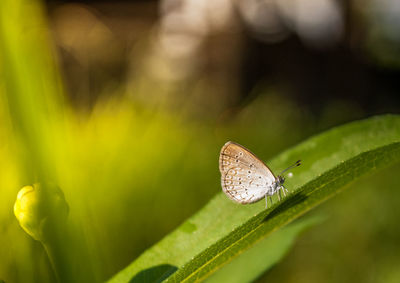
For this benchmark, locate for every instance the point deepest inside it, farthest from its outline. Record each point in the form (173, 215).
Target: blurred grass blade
(31, 81)
(263, 255)
(222, 230)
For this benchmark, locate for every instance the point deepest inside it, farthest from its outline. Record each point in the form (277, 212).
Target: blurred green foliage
(131, 173)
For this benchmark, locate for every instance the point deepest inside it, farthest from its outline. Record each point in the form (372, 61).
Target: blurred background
(126, 104)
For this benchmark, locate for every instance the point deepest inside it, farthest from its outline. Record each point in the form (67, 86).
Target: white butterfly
(245, 178)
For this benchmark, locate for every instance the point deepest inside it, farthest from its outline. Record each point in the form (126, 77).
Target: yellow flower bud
(40, 210)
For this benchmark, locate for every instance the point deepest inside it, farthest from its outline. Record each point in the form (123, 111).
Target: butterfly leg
(266, 201)
(284, 190)
(270, 199)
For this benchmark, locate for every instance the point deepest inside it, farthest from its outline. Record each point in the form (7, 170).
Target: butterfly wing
(244, 177)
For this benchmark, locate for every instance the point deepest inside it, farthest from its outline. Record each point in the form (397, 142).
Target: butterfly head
(280, 180)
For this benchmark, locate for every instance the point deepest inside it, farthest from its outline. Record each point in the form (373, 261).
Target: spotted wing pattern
(244, 177)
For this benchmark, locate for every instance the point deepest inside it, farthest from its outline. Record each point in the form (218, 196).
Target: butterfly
(245, 178)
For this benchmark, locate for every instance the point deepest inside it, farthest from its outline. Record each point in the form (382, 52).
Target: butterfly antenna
(297, 163)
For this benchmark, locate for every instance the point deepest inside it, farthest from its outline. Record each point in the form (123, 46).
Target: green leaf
(222, 229)
(263, 255)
